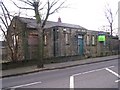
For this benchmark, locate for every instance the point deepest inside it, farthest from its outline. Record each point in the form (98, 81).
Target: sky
(86, 13)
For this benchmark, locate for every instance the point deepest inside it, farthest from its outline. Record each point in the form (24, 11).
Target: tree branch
(8, 14)
(3, 31)
(49, 7)
(27, 2)
(53, 3)
(43, 7)
(7, 41)
(4, 16)
(59, 7)
(48, 11)
(4, 22)
(22, 7)
(30, 2)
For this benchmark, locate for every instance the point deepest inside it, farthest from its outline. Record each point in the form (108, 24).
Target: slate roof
(31, 23)
(97, 32)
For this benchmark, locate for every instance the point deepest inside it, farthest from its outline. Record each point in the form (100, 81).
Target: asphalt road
(96, 75)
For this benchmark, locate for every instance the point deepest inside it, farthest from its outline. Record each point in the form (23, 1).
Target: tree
(110, 17)
(6, 18)
(50, 7)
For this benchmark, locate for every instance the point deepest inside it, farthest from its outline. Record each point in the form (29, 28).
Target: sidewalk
(32, 69)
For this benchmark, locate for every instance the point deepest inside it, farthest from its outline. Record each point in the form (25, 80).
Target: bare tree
(50, 7)
(109, 14)
(6, 18)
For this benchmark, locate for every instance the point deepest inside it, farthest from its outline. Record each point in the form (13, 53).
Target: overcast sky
(86, 13)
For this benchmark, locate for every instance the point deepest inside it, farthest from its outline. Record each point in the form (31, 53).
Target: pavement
(33, 69)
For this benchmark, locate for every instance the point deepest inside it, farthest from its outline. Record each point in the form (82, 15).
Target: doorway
(80, 45)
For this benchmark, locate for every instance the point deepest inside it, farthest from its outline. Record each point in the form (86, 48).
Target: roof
(97, 32)
(31, 23)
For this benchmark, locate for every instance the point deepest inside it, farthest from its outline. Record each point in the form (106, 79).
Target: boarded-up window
(33, 39)
(15, 39)
(88, 40)
(45, 39)
(67, 38)
(93, 40)
(67, 33)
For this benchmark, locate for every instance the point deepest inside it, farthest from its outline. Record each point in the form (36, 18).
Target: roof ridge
(31, 23)
(49, 21)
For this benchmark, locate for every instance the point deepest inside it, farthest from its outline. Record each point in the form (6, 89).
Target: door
(55, 43)
(80, 44)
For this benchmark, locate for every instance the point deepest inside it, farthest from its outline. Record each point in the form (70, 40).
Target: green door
(80, 45)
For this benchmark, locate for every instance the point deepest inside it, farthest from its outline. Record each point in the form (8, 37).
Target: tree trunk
(111, 38)
(40, 35)
(111, 29)
(40, 47)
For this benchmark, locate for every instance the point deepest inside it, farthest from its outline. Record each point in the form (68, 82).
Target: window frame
(93, 40)
(88, 40)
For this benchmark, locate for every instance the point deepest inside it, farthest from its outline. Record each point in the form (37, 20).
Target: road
(96, 75)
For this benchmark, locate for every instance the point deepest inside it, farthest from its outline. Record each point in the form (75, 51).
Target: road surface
(96, 75)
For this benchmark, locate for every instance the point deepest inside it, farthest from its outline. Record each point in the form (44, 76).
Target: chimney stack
(59, 20)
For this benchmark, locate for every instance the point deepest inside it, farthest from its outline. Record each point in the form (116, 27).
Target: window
(66, 38)
(88, 40)
(57, 34)
(93, 40)
(64, 29)
(15, 39)
(45, 40)
(67, 33)
(33, 39)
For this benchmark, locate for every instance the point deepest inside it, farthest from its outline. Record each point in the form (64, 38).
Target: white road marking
(113, 72)
(92, 71)
(25, 85)
(72, 77)
(117, 80)
(71, 81)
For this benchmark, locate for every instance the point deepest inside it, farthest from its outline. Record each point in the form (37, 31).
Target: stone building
(94, 47)
(60, 39)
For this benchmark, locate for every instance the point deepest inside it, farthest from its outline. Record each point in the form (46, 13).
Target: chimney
(59, 20)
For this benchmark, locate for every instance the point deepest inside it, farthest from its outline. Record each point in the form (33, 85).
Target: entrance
(80, 44)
